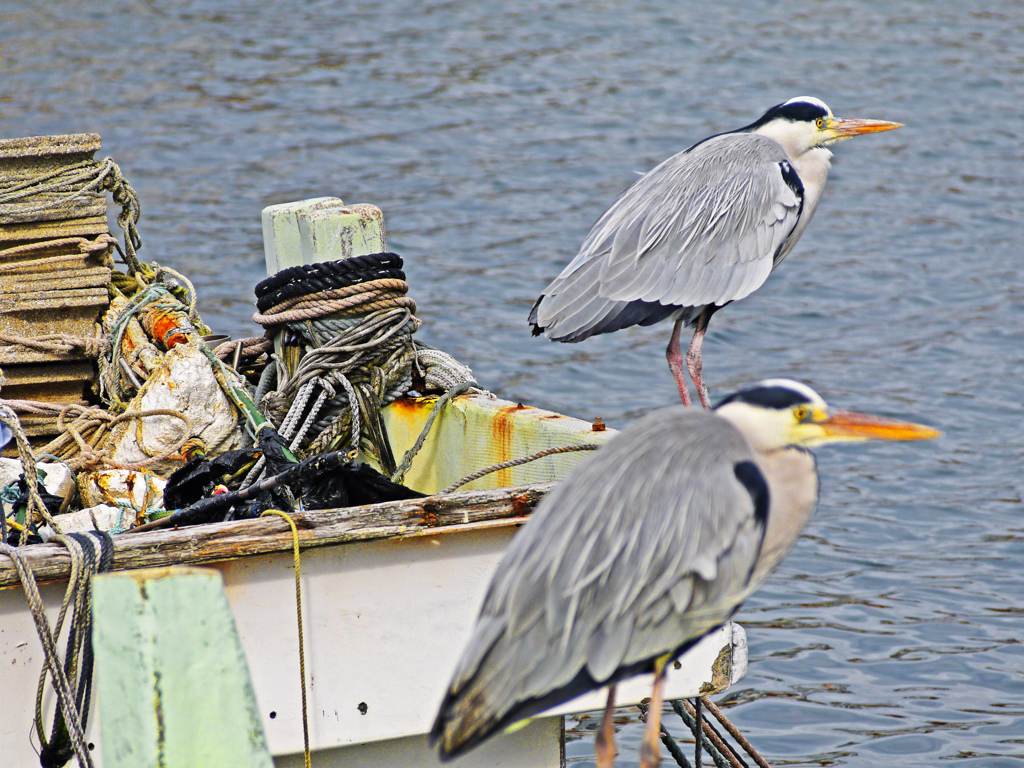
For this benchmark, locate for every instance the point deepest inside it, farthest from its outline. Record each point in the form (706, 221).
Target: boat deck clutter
(112, 379)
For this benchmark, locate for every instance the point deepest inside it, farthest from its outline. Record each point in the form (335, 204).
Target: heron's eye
(800, 413)
(820, 123)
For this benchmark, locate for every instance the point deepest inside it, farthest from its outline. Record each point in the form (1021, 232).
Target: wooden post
(320, 229)
(172, 683)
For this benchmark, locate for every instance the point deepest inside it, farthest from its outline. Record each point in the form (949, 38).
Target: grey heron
(640, 552)
(702, 229)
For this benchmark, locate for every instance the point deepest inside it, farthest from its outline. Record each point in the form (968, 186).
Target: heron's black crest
(795, 111)
(775, 396)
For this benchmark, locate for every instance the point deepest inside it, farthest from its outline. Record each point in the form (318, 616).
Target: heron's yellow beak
(846, 127)
(840, 425)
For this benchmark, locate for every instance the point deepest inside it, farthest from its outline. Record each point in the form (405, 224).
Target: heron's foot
(650, 747)
(604, 752)
(681, 384)
(702, 389)
(604, 745)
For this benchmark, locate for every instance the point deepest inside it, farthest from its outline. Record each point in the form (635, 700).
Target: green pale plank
(172, 682)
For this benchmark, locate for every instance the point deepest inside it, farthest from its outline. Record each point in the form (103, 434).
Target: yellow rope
(298, 612)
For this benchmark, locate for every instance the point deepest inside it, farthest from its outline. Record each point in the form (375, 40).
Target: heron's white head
(778, 413)
(805, 123)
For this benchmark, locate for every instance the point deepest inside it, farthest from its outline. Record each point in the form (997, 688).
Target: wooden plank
(320, 229)
(40, 230)
(245, 538)
(57, 281)
(172, 682)
(282, 242)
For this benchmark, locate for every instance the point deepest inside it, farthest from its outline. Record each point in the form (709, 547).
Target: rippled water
(493, 135)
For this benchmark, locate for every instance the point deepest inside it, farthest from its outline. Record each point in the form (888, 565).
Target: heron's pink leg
(650, 747)
(695, 362)
(674, 355)
(604, 746)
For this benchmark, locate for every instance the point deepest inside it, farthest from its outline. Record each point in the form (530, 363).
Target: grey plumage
(545, 620)
(641, 551)
(704, 228)
(648, 247)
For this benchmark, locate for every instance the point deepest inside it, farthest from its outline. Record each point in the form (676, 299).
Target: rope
(60, 680)
(89, 556)
(298, 614)
(517, 462)
(36, 510)
(734, 732)
(99, 247)
(353, 323)
(76, 444)
(325, 275)
(59, 343)
(93, 176)
(457, 389)
(252, 348)
(707, 737)
(723, 755)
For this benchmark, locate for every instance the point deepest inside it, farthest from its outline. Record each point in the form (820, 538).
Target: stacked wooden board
(55, 265)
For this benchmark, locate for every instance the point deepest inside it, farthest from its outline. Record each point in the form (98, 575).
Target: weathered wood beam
(245, 538)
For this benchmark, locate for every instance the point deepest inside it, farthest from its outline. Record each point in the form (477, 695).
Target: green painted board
(172, 682)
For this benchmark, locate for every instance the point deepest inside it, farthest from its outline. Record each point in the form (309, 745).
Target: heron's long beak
(845, 127)
(851, 425)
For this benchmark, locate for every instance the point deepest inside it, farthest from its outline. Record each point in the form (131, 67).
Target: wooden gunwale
(461, 511)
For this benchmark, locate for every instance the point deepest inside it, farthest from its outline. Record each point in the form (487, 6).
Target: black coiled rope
(307, 279)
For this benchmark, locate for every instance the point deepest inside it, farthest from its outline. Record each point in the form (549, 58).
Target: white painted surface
(384, 623)
(538, 745)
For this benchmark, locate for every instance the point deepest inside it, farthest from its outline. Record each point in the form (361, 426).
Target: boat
(389, 591)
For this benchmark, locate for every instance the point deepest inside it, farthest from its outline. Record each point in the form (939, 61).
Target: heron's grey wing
(639, 550)
(702, 228)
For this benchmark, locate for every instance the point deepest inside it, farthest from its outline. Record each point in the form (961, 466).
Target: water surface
(493, 135)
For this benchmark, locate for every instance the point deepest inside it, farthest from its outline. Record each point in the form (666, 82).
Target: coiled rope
(72, 680)
(354, 323)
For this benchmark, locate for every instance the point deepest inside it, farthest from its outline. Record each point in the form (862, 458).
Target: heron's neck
(812, 167)
(793, 495)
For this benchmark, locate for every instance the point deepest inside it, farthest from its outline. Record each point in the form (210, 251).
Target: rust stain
(407, 407)
(523, 505)
(501, 433)
(598, 425)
